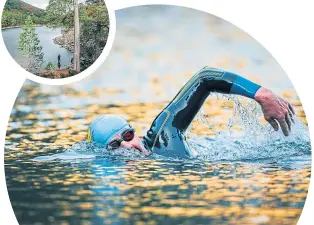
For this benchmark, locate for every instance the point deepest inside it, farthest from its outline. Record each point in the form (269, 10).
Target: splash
(254, 142)
(86, 150)
(101, 151)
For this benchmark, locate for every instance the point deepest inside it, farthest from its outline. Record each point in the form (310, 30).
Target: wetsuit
(166, 135)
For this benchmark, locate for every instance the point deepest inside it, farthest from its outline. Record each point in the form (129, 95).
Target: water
(46, 36)
(245, 173)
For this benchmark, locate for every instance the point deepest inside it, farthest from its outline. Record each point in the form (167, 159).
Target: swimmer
(166, 135)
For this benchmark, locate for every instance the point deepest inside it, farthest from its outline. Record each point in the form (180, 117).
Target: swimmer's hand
(146, 153)
(275, 109)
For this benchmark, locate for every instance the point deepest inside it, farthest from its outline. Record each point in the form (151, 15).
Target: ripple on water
(245, 172)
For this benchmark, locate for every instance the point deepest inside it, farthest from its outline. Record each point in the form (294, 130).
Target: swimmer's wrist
(244, 87)
(262, 95)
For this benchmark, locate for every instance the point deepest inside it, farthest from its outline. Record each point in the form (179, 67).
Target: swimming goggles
(127, 135)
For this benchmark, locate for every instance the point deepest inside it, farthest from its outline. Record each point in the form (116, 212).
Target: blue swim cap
(105, 127)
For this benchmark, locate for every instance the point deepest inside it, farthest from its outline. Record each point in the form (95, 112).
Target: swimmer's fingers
(284, 126)
(291, 108)
(273, 123)
(288, 121)
(291, 115)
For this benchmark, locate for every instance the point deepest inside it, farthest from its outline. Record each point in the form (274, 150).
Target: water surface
(246, 173)
(45, 36)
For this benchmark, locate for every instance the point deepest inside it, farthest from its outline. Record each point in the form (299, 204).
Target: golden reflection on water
(146, 190)
(46, 120)
(150, 192)
(138, 192)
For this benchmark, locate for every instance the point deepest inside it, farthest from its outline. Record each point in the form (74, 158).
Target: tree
(90, 23)
(65, 13)
(12, 5)
(94, 21)
(76, 56)
(15, 13)
(60, 13)
(29, 46)
(50, 66)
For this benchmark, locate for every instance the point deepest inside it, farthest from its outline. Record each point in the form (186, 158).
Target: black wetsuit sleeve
(168, 129)
(191, 97)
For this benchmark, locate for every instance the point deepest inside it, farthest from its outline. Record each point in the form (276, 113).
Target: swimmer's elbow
(222, 81)
(217, 80)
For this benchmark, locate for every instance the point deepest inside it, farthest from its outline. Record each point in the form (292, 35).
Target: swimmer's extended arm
(193, 94)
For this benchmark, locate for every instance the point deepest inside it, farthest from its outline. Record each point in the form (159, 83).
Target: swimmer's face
(129, 141)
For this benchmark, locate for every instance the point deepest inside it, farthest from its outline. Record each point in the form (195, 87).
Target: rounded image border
(81, 75)
(275, 51)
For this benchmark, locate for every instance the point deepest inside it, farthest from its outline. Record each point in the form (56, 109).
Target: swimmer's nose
(134, 145)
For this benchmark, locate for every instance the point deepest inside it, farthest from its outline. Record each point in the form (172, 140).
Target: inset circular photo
(55, 39)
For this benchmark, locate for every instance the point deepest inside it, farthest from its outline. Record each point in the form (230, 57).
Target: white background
(284, 28)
